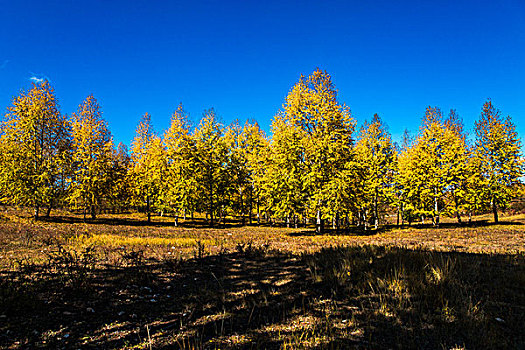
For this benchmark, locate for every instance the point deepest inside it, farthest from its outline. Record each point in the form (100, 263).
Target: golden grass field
(119, 283)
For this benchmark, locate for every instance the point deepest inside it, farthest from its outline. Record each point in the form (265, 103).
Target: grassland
(117, 283)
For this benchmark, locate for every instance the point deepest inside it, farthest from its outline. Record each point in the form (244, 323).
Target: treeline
(315, 166)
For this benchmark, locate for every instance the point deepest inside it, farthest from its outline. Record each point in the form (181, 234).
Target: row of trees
(312, 168)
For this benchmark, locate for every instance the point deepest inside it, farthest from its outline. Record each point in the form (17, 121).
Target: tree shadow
(166, 221)
(364, 297)
(360, 231)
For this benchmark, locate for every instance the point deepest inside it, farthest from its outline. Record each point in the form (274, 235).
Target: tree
(283, 185)
(211, 162)
(498, 150)
(462, 169)
(404, 209)
(254, 148)
(92, 148)
(180, 185)
(35, 142)
(148, 165)
(325, 128)
(237, 170)
(121, 188)
(376, 157)
(247, 145)
(433, 167)
(474, 192)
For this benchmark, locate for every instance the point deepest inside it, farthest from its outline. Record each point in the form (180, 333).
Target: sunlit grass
(109, 240)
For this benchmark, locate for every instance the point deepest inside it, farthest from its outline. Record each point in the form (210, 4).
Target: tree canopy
(315, 166)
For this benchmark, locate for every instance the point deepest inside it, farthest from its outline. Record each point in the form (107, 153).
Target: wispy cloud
(4, 64)
(36, 79)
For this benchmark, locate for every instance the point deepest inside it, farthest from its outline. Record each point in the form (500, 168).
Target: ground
(119, 283)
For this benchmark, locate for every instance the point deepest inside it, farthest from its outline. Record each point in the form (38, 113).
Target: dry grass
(118, 283)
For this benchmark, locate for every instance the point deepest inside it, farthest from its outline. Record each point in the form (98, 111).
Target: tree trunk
(220, 217)
(93, 212)
(458, 216)
(495, 209)
(148, 209)
(250, 208)
(319, 227)
(288, 221)
(176, 220)
(243, 219)
(258, 212)
(376, 212)
(211, 211)
(37, 211)
(210, 203)
(436, 209)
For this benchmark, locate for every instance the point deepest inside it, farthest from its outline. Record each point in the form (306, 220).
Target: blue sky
(242, 57)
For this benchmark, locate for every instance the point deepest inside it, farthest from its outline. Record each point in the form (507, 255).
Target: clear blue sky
(242, 57)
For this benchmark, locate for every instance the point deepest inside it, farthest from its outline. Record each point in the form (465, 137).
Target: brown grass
(118, 283)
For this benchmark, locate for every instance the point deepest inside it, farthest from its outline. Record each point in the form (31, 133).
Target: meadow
(118, 282)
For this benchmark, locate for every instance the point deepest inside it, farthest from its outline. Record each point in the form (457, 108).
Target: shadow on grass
(120, 221)
(360, 231)
(236, 222)
(364, 297)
